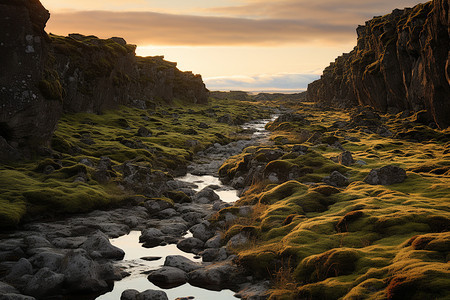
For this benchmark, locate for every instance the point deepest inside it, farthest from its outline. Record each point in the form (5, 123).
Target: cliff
(44, 76)
(401, 62)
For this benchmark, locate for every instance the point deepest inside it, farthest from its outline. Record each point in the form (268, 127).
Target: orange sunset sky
(254, 45)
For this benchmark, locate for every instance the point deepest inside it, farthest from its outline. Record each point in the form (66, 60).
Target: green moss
(26, 192)
(362, 241)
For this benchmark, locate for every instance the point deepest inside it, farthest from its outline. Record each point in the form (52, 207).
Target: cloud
(148, 28)
(274, 82)
(339, 11)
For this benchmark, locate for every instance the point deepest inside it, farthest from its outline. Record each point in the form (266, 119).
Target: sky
(252, 45)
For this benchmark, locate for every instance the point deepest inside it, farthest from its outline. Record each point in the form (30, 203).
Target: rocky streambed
(153, 249)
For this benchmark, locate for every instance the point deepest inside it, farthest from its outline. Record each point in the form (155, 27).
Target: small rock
(336, 179)
(300, 148)
(152, 295)
(360, 162)
(345, 158)
(48, 169)
(129, 295)
(151, 258)
(206, 195)
(146, 295)
(144, 132)
(238, 240)
(87, 162)
(386, 175)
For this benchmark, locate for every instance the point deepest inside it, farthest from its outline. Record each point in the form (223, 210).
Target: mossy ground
(174, 133)
(357, 242)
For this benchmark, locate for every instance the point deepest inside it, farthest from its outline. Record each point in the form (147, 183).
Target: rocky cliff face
(97, 74)
(26, 117)
(401, 62)
(42, 76)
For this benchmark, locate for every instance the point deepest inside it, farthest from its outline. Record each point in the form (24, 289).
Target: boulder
(129, 294)
(214, 254)
(215, 241)
(156, 205)
(206, 195)
(386, 175)
(216, 276)
(151, 237)
(22, 267)
(168, 277)
(182, 263)
(202, 231)
(81, 273)
(238, 240)
(191, 244)
(99, 242)
(48, 259)
(44, 283)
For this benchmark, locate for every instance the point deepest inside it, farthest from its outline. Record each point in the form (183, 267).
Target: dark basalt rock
(400, 63)
(30, 97)
(386, 175)
(43, 76)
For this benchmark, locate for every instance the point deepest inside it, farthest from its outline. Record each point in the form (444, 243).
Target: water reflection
(226, 194)
(136, 266)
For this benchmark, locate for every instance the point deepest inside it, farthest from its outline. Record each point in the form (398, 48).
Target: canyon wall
(43, 76)
(401, 62)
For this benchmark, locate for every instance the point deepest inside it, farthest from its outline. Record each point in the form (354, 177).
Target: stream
(138, 261)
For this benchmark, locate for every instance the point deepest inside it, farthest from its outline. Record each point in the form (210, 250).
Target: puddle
(135, 265)
(226, 194)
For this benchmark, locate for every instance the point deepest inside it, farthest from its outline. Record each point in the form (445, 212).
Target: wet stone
(168, 277)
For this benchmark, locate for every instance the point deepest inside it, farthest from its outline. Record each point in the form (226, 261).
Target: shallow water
(134, 252)
(226, 194)
(136, 266)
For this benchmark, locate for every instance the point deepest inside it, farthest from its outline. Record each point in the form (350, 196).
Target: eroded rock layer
(401, 62)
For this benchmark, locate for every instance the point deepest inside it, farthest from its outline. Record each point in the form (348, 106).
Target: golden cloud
(148, 28)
